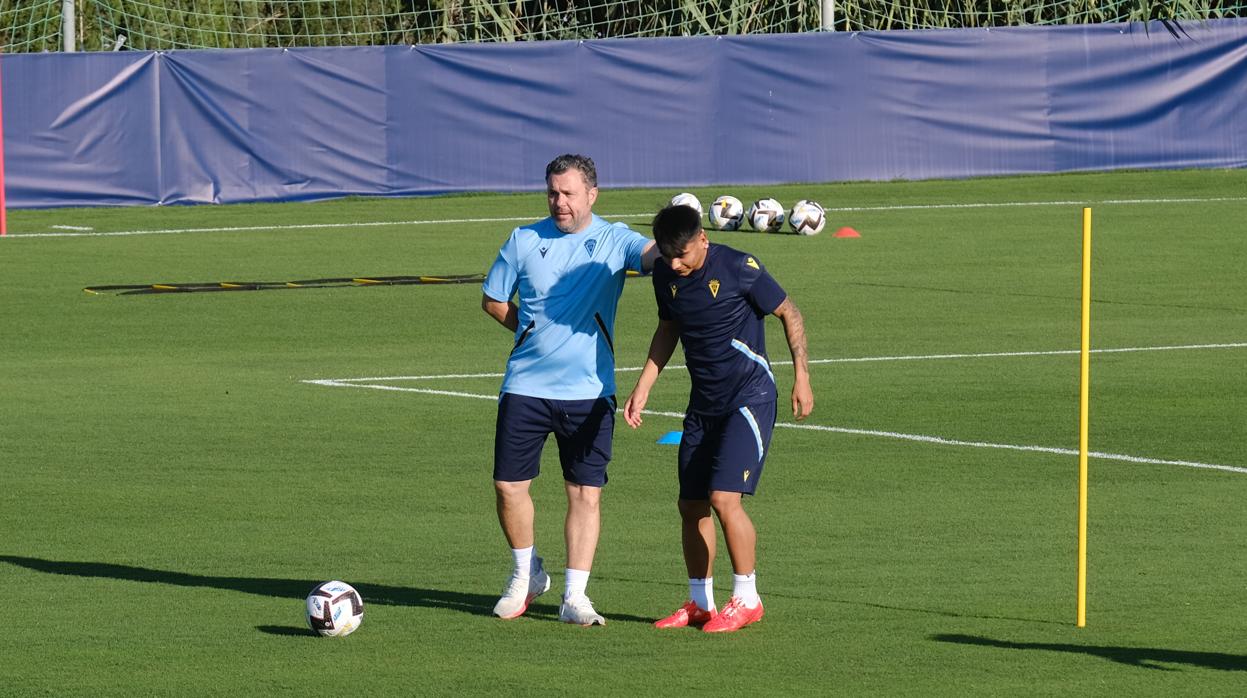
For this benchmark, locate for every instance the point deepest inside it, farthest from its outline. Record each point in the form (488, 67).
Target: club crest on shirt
(714, 288)
(590, 244)
(673, 290)
(750, 261)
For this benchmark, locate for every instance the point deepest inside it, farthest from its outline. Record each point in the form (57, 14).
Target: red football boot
(734, 616)
(688, 614)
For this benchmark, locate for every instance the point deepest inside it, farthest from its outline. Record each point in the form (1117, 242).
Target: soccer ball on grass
(766, 215)
(807, 218)
(727, 212)
(334, 609)
(687, 199)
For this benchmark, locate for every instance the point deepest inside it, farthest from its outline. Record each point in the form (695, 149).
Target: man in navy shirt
(714, 300)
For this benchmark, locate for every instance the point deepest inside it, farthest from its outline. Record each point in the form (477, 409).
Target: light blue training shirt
(569, 286)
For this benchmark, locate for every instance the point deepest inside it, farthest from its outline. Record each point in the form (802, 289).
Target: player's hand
(802, 400)
(634, 405)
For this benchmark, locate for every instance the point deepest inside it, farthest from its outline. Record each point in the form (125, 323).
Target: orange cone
(847, 232)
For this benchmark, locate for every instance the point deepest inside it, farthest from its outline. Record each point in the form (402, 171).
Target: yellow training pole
(1083, 400)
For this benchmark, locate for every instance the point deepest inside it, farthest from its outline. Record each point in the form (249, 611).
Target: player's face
(693, 257)
(571, 200)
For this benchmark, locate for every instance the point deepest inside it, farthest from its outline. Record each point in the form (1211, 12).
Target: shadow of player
(383, 594)
(1143, 657)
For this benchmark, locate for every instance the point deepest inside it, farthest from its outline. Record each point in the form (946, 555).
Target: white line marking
(1012, 447)
(395, 388)
(1011, 204)
(1055, 352)
(650, 214)
(72, 227)
(369, 383)
(302, 226)
(861, 359)
(414, 378)
(921, 438)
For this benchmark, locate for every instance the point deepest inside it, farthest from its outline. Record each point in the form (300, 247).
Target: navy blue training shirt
(722, 309)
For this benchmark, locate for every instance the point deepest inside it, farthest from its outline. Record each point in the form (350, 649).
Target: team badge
(673, 290)
(590, 244)
(714, 288)
(750, 261)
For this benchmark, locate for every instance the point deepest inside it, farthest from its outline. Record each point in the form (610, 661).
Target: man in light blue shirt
(568, 273)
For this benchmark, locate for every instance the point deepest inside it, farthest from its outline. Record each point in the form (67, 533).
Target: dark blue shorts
(583, 430)
(725, 452)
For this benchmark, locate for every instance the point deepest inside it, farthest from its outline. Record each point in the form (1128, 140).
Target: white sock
(745, 587)
(701, 591)
(575, 582)
(524, 559)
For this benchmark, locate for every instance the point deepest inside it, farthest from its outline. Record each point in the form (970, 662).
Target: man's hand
(634, 405)
(802, 399)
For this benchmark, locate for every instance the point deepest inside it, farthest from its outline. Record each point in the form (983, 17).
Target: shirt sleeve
(662, 292)
(634, 246)
(503, 278)
(759, 287)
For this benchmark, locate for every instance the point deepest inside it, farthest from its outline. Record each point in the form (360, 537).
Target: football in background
(687, 199)
(727, 212)
(807, 218)
(766, 216)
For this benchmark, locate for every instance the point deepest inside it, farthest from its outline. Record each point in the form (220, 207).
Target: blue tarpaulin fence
(300, 124)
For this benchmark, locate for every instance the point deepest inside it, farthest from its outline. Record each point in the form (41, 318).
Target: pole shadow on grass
(385, 595)
(1142, 657)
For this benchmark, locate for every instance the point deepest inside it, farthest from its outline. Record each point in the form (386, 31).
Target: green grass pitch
(173, 484)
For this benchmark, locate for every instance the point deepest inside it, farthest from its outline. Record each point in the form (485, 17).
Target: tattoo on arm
(794, 329)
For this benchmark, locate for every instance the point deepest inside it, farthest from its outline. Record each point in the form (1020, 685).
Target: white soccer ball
(766, 216)
(687, 199)
(807, 218)
(334, 609)
(727, 212)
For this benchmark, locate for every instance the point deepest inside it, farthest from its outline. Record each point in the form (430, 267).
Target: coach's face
(571, 200)
(693, 257)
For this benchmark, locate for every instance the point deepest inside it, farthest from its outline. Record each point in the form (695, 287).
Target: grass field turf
(173, 486)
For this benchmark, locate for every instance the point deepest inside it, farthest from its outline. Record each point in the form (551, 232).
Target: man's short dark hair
(568, 161)
(674, 227)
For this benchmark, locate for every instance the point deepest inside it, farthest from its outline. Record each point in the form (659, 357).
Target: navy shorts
(583, 430)
(725, 452)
